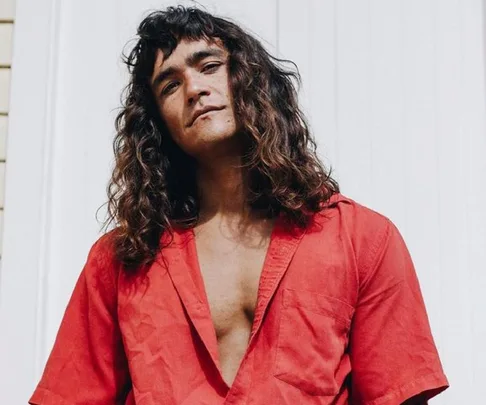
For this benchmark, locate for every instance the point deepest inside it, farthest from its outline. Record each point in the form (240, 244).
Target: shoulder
(364, 232)
(102, 269)
(102, 251)
(353, 219)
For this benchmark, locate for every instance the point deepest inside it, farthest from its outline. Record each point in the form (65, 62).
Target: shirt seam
(47, 396)
(406, 391)
(377, 251)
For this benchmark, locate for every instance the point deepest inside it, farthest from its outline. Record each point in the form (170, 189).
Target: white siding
(7, 10)
(5, 43)
(3, 135)
(4, 89)
(6, 28)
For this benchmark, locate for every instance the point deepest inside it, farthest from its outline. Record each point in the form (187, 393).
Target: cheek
(172, 121)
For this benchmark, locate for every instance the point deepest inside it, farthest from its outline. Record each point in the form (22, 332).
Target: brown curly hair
(153, 185)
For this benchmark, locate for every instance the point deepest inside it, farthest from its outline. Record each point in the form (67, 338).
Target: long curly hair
(153, 185)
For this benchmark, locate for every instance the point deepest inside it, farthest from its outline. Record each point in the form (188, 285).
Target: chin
(218, 135)
(214, 131)
(214, 141)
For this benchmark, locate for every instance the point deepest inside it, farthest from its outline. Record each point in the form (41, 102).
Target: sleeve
(392, 351)
(87, 364)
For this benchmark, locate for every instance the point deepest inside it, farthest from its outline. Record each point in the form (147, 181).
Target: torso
(231, 262)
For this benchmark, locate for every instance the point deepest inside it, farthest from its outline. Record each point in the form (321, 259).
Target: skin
(213, 139)
(231, 240)
(188, 85)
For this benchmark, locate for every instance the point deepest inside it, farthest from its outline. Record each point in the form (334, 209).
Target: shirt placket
(282, 247)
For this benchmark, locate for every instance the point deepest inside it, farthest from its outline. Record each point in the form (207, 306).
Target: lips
(202, 111)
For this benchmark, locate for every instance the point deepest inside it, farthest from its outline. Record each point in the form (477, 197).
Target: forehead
(185, 48)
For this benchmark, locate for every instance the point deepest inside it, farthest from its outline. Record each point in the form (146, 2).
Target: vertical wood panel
(420, 148)
(473, 277)
(307, 36)
(453, 235)
(85, 100)
(387, 83)
(354, 152)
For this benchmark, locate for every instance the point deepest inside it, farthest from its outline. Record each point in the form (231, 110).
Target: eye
(210, 67)
(169, 88)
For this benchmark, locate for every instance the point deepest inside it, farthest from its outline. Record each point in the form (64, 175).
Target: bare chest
(231, 270)
(231, 276)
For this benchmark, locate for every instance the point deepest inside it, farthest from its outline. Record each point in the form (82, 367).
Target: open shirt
(339, 319)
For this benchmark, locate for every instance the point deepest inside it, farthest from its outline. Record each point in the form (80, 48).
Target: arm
(87, 364)
(393, 355)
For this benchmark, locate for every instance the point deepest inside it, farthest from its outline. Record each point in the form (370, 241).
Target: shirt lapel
(283, 244)
(181, 270)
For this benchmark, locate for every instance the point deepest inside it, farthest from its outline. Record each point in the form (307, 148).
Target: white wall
(395, 94)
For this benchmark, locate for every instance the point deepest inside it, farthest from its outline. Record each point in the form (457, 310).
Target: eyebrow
(191, 60)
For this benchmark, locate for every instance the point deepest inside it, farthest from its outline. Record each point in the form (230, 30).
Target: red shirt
(340, 319)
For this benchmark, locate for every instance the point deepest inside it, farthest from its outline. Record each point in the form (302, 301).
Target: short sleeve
(392, 351)
(87, 364)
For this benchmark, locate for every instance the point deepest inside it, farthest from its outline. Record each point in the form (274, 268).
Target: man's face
(193, 95)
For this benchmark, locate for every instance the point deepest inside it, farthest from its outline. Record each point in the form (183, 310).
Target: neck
(222, 186)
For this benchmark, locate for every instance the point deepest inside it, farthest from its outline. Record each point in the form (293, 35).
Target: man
(237, 273)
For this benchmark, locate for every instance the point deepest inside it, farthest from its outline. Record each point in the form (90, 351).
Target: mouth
(203, 112)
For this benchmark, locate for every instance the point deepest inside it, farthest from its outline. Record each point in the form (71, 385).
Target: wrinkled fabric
(340, 319)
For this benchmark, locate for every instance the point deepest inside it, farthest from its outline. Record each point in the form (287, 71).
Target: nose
(195, 89)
